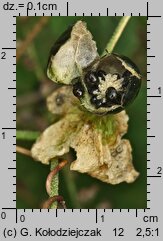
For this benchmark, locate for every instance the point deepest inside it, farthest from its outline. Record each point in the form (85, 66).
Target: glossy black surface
(91, 78)
(78, 89)
(131, 91)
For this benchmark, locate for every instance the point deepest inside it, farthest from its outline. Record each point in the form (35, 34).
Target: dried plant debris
(101, 152)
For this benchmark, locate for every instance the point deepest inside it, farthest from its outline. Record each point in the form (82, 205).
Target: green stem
(38, 68)
(54, 183)
(71, 187)
(117, 34)
(27, 135)
(32, 136)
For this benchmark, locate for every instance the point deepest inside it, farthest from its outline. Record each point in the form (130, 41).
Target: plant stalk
(27, 135)
(117, 34)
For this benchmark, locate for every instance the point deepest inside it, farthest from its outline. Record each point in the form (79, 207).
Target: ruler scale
(81, 223)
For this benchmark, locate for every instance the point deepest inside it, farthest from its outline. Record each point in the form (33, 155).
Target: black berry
(91, 89)
(78, 89)
(96, 102)
(111, 94)
(101, 74)
(91, 78)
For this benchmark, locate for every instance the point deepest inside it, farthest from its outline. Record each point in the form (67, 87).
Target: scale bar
(96, 215)
(9, 128)
(153, 95)
(16, 216)
(154, 176)
(8, 48)
(9, 208)
(154, 16)
(67, 9)
(136, 213)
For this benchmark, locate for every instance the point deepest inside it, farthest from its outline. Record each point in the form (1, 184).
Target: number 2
(3, 54)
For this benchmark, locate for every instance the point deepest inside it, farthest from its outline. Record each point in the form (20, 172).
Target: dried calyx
(97, 140)
(103, 85)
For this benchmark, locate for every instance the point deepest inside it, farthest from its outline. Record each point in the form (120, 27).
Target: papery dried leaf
(100, 160)
(121, 168)
(77, 53)
(55, 140)
(109, 160)
(122, 123)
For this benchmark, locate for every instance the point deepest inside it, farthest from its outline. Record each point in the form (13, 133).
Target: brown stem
(30, 37)
(23, 151)
(52, 174)
(53, 199)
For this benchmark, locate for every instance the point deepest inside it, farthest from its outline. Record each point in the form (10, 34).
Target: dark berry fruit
(78, 90)
(101, 74)
(111, 94)
(96, 102)
(91, 78)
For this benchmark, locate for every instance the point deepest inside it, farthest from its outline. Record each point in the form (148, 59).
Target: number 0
(3, 215)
